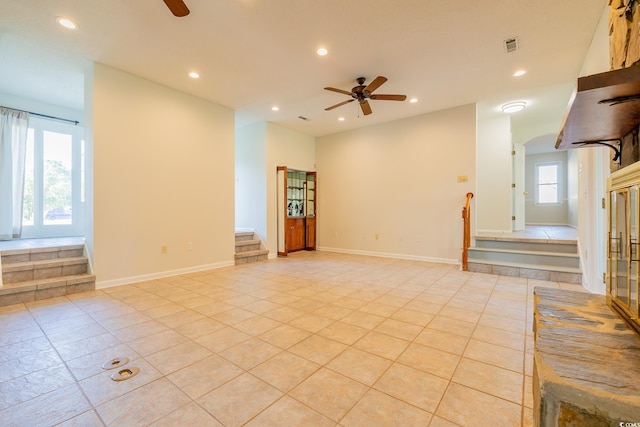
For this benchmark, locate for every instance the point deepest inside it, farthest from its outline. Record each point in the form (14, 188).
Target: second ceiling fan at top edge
(177, 7)
(362, 94)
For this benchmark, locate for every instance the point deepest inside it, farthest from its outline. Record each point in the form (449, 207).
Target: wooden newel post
(466, 238)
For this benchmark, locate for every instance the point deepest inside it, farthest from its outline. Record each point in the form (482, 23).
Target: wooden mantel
(605, 107)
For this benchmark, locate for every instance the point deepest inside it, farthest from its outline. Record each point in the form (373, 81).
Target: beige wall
(163, 175)
(397, 180)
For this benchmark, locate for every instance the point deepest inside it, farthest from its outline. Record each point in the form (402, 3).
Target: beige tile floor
(316, 339)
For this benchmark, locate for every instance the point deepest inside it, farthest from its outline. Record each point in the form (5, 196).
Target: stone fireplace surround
(586, 362)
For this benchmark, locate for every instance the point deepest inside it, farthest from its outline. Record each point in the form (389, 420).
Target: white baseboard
(144, 277)
(390, 255)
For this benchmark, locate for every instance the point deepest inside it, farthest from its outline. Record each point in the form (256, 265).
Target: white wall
(163, 175)
(546, 214)
(251, 178)
(494, 174)
(593, 170)
(398, 181)
(572, 188)
(27, 104)
(295, 150)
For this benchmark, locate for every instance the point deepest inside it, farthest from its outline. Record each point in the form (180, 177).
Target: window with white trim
(547, 179)
(53, 195)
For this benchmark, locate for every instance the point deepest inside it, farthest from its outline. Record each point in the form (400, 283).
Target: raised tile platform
(586, 362)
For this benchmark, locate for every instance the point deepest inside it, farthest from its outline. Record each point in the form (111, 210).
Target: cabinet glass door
(311, 194)
(620, 246)
(618, 252)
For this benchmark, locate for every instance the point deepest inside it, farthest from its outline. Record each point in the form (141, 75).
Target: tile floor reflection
(316, 339)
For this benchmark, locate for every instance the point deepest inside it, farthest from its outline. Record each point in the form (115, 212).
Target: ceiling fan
(362, 94)
(177, 7)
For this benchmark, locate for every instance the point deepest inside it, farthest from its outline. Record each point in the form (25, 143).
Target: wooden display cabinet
(296, 210)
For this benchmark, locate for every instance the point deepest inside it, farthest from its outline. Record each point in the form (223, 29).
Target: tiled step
(251, 256)
(538, 272)
(38, 254)
(248, 245)
(33, 290)
(526, 257)
(517, 244)
(35, 270)
(244, 235)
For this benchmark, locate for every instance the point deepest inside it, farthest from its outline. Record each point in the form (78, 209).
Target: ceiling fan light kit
(513, 107)
(362, 94)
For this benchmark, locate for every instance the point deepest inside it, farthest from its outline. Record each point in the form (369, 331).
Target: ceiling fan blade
(389, 97)
(375, 84)
(333, 89)
(338, 105)
(366, 108)
(177, 7)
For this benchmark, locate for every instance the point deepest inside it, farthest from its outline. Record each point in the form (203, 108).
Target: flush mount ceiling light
(322, 51)
(341, 119)
(513, 107)
(194, 75)
(66, 22)
(413, 100)
(275, 108)
(519, 73)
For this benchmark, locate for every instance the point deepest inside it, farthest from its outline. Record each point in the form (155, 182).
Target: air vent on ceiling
(511, 45)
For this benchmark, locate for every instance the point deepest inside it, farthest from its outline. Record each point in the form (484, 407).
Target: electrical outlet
(377, 236)
(163, 249)
(463, 178)
(189, 246)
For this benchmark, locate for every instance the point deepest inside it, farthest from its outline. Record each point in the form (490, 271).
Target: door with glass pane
(53, 180)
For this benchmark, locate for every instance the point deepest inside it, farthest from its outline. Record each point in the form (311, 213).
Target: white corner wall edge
(389, 255)
(160, 275)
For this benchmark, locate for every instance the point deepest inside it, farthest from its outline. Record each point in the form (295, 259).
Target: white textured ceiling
(253, 54)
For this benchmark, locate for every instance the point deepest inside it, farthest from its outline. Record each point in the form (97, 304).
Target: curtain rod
(75, 122)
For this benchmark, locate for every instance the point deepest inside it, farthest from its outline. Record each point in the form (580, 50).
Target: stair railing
(466, 238)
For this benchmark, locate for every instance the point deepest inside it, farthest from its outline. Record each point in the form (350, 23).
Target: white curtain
(13, 148)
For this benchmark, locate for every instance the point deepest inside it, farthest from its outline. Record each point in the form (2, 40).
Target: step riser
(527, 246)
(529, 273)
(48, 290)
(241, 237)
(524, 258)
(43, 273)
(40, 255)
(252, 258)
(247, 248)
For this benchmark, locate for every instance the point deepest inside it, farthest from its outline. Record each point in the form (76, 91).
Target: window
(547, 183)
(53, 180)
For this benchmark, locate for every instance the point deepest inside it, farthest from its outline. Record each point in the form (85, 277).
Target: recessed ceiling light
(341, 119)
(322, 51)
(66, 22)
(413, 100)
(519, 73)
(513, 107)
(275, 108)
(194, 75)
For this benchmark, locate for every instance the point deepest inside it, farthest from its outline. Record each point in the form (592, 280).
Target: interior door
(518, 193)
